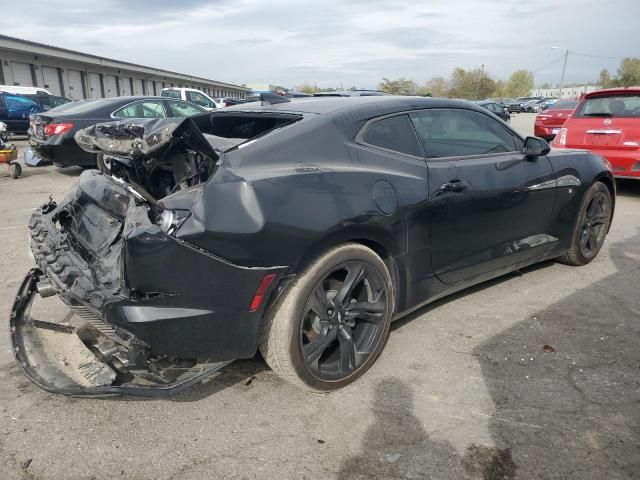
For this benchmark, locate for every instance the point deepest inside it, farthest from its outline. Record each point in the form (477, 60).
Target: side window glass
(141, 110)
(199, 99)
(459, 132)
(393, 133)
(183, 109)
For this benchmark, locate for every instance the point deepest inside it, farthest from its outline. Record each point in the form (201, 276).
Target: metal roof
(31, 48)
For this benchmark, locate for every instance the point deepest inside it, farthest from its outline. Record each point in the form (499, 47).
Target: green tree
(545, 86)
(470, 84)
(520, 83)
(306, 87)
(500, 89)
(402, 86)
(605, 80)
(437, 87)
(628, 72)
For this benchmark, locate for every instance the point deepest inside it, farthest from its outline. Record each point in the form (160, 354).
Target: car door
(490, 205)
(18, 110)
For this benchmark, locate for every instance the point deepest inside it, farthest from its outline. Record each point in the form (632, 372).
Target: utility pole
(564, 69)
(480, 82)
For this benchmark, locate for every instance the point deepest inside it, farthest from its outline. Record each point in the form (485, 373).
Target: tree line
(477, 83)
(470, 84)
(628, 74)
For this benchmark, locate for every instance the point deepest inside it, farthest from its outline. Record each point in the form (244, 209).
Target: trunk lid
(603, 133)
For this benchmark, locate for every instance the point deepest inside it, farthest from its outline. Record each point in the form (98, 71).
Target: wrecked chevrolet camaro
(300, 229)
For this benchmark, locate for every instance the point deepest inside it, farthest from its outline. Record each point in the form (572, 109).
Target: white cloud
(353, 42)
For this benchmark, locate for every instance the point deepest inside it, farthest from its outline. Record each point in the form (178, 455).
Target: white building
(575, 91)
(78, 75)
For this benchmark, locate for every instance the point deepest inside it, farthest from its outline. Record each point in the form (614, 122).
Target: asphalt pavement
(532, 375)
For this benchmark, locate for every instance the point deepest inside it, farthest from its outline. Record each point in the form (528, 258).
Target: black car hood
(143, 138)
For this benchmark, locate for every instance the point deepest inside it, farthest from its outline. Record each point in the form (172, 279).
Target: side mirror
(536, 147)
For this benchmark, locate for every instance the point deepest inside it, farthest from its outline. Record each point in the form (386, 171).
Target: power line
(601, 56)
(549, 64)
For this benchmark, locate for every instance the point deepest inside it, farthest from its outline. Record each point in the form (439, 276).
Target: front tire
(331, 324)
(591, 227)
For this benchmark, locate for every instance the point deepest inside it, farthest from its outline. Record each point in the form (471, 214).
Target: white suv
(194, 96)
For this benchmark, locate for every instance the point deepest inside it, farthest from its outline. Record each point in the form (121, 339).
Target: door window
(458, 132)
(19, 103)
(141, 110)
(393, 133)
(199, 99)
(183, 109)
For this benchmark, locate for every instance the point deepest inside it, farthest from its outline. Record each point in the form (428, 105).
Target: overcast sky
(353, 42)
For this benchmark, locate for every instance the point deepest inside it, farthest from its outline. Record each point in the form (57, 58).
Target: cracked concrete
(464, 388)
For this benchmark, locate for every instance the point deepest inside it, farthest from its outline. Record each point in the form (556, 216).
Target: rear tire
(332, 322)
(591, 227)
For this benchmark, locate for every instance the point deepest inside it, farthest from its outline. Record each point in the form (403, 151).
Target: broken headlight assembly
(170, 221)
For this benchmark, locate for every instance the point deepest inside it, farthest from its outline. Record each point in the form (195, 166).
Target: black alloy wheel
(592, 225)
(343, 321)
(595, 224)
(332, 322)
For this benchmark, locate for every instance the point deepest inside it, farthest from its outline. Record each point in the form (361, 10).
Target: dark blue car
(15, 111)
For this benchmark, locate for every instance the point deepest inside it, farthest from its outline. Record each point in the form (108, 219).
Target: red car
(548, 123)
(607, 122)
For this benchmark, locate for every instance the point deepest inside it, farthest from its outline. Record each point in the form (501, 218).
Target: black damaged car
(300, 228)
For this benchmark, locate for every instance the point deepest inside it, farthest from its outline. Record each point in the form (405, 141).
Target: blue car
(15, 111)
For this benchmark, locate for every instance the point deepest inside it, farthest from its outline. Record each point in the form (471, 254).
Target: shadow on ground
(566, 388)
(573, 410)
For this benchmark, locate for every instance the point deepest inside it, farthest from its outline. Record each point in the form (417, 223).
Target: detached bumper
(54, 357)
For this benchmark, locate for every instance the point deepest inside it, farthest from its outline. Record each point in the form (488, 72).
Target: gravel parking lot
(464, 388)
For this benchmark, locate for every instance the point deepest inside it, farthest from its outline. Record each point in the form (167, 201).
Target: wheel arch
(610, 183)
(380, 242)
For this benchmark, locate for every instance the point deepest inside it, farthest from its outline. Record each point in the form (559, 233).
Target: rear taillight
(57, 128)
(561, 138)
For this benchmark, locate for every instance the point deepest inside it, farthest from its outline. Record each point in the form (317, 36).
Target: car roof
(357, 107)
(613, 91)
(183, 89)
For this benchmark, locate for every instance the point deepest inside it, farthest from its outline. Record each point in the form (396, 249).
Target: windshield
(610, 106)
(170, 93)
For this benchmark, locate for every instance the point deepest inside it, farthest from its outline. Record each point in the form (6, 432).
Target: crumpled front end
(152, 312)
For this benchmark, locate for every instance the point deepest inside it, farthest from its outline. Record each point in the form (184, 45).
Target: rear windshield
(564, 105)
(82, 106)
(170, 93)
(226, 130)
(610, 106)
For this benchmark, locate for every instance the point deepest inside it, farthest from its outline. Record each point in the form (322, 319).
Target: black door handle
(454, 186)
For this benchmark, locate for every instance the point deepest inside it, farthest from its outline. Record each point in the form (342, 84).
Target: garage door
(51, 80)
(21, 73)
(94, 86)
(110, 86)
(148, 87)
(137, 86)
(125, 86)
(75, 85)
